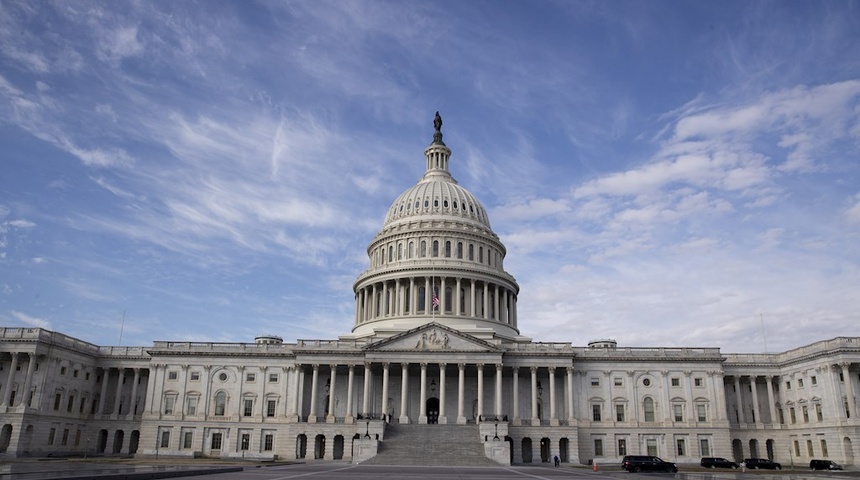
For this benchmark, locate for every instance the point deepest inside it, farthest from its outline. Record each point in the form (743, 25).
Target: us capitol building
(435, 361)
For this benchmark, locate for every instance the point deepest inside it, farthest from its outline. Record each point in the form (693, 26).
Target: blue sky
(662, 173)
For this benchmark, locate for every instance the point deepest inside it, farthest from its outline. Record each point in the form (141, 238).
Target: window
(71, 403)
(192, 406)
(165, 439)
(797, 448)
(77, 437)
(788, 385)
(679, 412)
(619, 413)
(168, 404)
(701, 413)
(220, 404)
(595, 412)
(195, 376)
(598, 447)
(250, 377)
(57, 399)
(792, 415)
(435, 248)
(187, 439)
(62, 370)
(809, 449)
(704, 447)
(698, 382)
(245, 442)
(813, 380)
(51, 434)
(216, 441)
(273, 378)
(447, 249)
(651, 446)
(622, 446)
(249, 407)
(595, 381)
(824, 448)
(65, 439)
(676, 382)
(648, 409)
(75, 373)
(172, 375)
(270, 408)
(618, 381)
(805, 411)
(471, 252)
(268, 442)
(681, 447)
(799, 383)
(818, 412)
(646, 382)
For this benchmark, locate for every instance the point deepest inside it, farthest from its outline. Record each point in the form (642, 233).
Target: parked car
(756, 463)
(824, 465)
(647, 463)
(717, 462)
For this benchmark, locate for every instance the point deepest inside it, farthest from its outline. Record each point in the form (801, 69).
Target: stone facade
(436, 340)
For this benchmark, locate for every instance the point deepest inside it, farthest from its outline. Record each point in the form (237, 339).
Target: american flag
(435, 300)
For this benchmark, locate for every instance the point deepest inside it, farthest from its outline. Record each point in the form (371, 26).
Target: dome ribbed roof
(436, 196)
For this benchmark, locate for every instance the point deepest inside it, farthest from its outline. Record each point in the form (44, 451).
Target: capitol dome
(436, 259)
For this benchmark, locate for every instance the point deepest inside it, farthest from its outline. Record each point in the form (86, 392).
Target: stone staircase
(409, 444)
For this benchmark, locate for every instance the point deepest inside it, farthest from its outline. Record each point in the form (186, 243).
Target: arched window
(422, 301)
(462, 300)
(220, 403)
(448, 249)
(449, 299)
(460, 250)
(480, 254)
(391, 253)
(435, 248)
(400, 251)
(423, 249)
(411, 250)
(648, 409)
(471, 252)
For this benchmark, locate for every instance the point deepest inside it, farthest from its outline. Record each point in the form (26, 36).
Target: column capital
(569, 369)
(533, 370)
(551, 370)
(423, 365)
(499, 367)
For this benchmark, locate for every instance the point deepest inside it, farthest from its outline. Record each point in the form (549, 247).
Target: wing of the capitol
(435, 369)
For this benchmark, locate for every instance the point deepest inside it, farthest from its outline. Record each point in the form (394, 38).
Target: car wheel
(713, 466)
(734, 467)
(637, 469)
(777, 468)
(673, 470)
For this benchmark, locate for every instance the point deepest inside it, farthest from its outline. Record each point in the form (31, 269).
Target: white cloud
(29, 320)
(852, 214)
(21, 223)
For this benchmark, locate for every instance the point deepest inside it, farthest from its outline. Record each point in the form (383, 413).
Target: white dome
(437, 195)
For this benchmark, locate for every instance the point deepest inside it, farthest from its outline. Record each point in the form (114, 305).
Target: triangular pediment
(433, 337)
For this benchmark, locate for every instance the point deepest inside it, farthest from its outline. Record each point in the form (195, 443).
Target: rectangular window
(168, 405)
(187, 439)
(192, 406)
(71, 403)
(679, 412)
(245, 442)
(648, 409)
(216, 441)
(172, 375)
(788, 385)
(595, 381)
(595, 412)
(195, 376)
(249, 407)
(818, 412)
(250, 377)
(805, 410)
(701, 412)
(681, 447)
(619, 413)
(799, 383)
(165, 439)
(676, 382)
(797, 448)
(813, 380)
(618, 381)
(651, 446)
(51, 434)
(270, 408)
(273, 378)
(824, 448)
(792, 415)
(75, 373)
(704, 447)
(268, 442)
(809, 448)
(57, 399)
(622, 446)
(77, 437)
(65, 440)
(62, 370)
(598, 447)
(698, 382)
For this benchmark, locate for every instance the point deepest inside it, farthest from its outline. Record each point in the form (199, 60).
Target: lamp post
(496, 438)
(367, 431)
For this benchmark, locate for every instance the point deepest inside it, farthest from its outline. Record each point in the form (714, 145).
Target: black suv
(647, 463)
(824, 465)
(717, 462)
(756, 463)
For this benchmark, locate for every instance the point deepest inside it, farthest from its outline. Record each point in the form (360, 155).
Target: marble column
(553, 418)
(515, 387)
(332, 377)
(103, 395)
(404, 392)
(480, 391)
(10, 380)
(771, 405)
(28, 381)
(349, 389)
(365, 395)
(851, 410)
(461, 392)
(570, 415)
(132, 401)
(385, 371)
(312, 415)
(535, 418)
(422, 406)
(442, 416)
(498, 390)
(740, 417)
(753, 387)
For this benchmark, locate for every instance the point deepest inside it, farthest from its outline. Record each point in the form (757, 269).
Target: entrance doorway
(432, 410)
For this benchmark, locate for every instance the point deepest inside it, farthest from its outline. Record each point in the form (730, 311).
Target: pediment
(433, 337)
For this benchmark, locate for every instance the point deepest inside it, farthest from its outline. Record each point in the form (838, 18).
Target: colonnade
(443, 295)
(23, 396)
